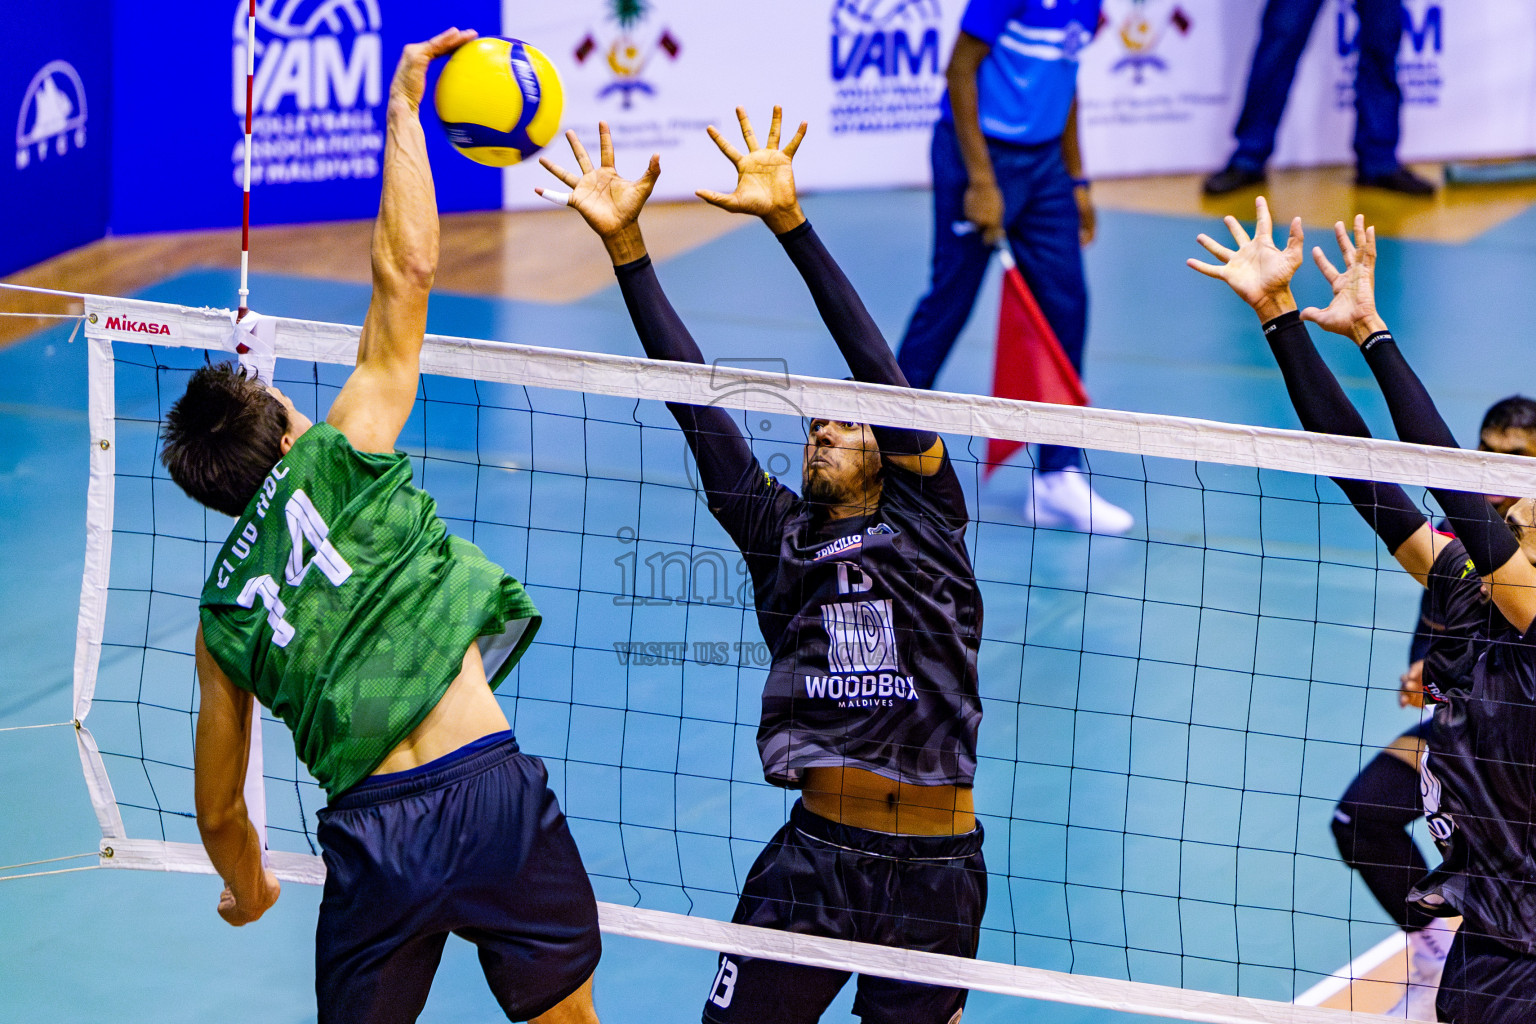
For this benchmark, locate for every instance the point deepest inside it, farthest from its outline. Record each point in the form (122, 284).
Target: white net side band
(1156, 436)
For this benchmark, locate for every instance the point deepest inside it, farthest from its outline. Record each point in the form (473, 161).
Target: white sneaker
(1064, 498)
(1427, 950)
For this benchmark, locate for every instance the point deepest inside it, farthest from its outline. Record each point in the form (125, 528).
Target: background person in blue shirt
(1006, 160)
(1378, 98)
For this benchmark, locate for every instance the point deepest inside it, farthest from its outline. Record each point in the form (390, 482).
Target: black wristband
(1379, 338)
(624, 269)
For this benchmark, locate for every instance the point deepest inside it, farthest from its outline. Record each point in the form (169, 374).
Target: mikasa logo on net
(130, 326)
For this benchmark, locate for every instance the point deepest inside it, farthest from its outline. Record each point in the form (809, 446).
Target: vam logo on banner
(319, 90)
(887, 65)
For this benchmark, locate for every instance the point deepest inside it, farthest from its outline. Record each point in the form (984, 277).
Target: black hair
(1513, 413)
(223, 437)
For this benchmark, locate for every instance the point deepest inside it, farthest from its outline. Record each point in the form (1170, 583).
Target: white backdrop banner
(1160, 91)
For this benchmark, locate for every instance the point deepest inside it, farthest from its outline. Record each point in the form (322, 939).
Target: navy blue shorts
(819, 877)
(478, 848)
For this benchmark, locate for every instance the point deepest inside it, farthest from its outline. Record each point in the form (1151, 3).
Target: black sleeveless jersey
(1479, 776)
(873, 623)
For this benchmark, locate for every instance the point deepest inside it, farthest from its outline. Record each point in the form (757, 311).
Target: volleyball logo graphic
(52, 114)
(499, 100)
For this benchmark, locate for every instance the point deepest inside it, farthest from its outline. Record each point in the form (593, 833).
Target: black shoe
(1400, 180)
(1231, 178)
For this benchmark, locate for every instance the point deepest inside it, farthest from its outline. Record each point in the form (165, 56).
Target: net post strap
(1143, 434)
(89, 628)
(836, 954)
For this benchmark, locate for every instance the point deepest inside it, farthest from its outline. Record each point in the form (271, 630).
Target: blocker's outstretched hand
(410, 80)
(1257, 270)
(608, 202)
(765, 182)
(1352, 312)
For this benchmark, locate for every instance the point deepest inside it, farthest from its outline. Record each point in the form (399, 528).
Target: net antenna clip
(253, 338)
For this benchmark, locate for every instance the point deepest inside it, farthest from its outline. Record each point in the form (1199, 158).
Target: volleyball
(499, 100)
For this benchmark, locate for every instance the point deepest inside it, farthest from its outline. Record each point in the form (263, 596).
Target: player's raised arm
(611, 206)
(1352, 313)
(765, 188)
(377, 398)
(1260, 273)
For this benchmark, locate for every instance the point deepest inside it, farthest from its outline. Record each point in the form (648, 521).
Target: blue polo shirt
(1026, 84)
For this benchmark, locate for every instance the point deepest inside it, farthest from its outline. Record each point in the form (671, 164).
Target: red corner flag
(1030, 364)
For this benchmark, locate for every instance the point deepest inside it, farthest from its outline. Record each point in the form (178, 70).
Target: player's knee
(1346, 827)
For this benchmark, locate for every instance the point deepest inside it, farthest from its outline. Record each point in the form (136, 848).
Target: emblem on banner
(1141, 30)
(52, 114)
(319, 83)
(887, 65)
(627, 54)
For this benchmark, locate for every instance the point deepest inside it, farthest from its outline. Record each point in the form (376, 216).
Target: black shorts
(478, 848)
(818, 877)
(1486, 982)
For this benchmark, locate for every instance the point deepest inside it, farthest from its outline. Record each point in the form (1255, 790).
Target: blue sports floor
(1224, 775)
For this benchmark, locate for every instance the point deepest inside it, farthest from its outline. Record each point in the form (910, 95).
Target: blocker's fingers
(553, 196)
(1360, 230)
(582, 160)
(1239, 232)
(774, 125)
(1264, 224)
(746, 129)
(1368, 253)
(794, 143)
(1296, 239)
(1330, 272)
(729, 150)
(1215, 248)
(652, 172)
(604, 145)
(565, 176)
(1205, 268)
(721, 199)
(1346, 247)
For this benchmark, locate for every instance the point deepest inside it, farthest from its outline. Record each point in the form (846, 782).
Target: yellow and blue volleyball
(499, 100)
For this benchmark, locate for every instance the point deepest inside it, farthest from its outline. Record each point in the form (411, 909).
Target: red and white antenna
(245, 220)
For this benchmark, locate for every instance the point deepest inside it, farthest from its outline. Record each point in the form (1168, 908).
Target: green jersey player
(341, 603)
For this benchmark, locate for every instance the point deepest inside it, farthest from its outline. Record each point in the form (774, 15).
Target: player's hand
(1411, 683)
(765, 181)
(411, 73)
(1257, 270)
(243, 911)
(1087, 216)
(983, 207)
(608, 202)
(1353, 310)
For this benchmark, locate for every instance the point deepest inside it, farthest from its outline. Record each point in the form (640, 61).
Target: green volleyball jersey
(342, 602)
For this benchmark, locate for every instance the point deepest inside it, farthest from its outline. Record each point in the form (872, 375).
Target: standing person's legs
(959, 263)
(1043, 234)
(1283, 35)
(1378, 97)
(1043, 231)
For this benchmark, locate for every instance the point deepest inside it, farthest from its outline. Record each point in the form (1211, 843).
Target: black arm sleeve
(854, 330)
(1324, 408)
(1487, 538)
(722, 454)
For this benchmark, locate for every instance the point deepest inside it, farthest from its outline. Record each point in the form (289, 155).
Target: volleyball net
(1169, 716)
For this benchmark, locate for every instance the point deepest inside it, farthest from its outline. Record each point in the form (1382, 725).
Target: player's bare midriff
(854, 796)
(467, 712)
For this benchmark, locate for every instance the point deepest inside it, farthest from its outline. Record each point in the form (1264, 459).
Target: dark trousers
(1378, 99)
(1042, 223)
